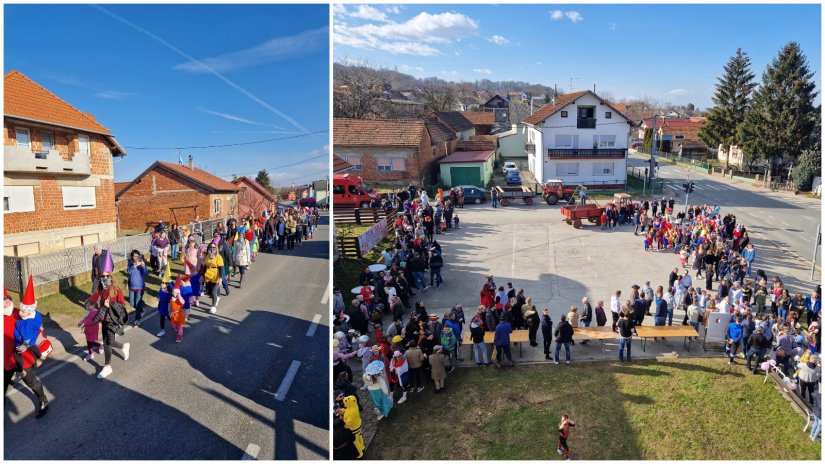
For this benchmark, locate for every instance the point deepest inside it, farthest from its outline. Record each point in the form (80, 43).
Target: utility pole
(816, 248)
(571, 82)
(687, 192)
(653, 149)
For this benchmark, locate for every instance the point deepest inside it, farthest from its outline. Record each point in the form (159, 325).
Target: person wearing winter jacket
(546, 331)
(479, 347)
(734, 336)
(450, 343)
(564, 336)
(138, 272)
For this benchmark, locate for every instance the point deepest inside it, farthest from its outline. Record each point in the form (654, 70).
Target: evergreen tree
(732, 98)
(647, 142)
(263, 179)
(782, 115)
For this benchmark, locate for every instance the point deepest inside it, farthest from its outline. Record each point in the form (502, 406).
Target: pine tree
(782, 114)
(647, 142)
(732, 99)
(263, 179)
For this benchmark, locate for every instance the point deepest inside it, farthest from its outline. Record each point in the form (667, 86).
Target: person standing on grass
(564, 434)
(138, 273)
(564, 336)
(759, 345)
(415, 358)
(817, 410)
(438, 371)
(546, 332)
(625, 327)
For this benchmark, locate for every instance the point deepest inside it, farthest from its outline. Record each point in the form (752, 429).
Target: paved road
(779, 218)
(212, 396)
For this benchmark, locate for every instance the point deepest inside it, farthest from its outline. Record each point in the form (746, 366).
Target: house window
(355, 161)
(564, 141)
(608, 115)
(679, 137)
(604, 141)
(79, 198)
(567, 169)
(83, 141)
(47, 140)
(398, 164)
(383, 164)
(23, 138)
(602, 169)
(18, 198)
(216, 206)
(564, 114)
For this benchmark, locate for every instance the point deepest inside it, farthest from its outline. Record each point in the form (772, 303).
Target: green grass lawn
(676, 409)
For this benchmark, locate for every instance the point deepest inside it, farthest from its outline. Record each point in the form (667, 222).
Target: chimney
(554, 94)
(191, 163)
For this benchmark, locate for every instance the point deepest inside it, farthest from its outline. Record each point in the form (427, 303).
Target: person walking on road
(494, 196)
(564, 336)
(111, 311)
(29, 367)
(212, 275)
(138, 273)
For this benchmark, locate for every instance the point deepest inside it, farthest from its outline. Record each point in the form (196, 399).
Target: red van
(350, 191)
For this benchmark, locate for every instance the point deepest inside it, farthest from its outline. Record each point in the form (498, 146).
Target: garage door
(465, 176)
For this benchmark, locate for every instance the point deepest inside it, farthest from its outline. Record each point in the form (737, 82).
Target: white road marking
(280, 395)
(251, 452)
(513, 267)
(325, 298)
(314, 326)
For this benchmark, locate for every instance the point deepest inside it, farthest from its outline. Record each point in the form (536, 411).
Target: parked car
(473, 194)
(513, 177)
(508, 166)
(636, 145)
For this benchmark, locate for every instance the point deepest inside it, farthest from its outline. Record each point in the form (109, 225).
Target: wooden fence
(359, 216)
(348, 245)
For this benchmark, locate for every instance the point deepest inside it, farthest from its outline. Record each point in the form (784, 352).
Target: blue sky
(261, 72)
(669, 52)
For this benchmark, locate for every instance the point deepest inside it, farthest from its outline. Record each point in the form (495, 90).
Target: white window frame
(383, 168)
(216, 206)
(355, 167)
(560, 145)
(17, 131)
(43, 137)
(18, 199)
(80, 139)
(567, 167)
(79, 197)
(605, 141)
(599, 168)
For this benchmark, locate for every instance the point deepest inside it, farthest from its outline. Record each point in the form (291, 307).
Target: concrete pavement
(251, 380)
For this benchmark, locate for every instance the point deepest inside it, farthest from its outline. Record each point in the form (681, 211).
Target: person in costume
(564, 434)
(242, 256)
(212, 275)
(352, 421)
(27, 328)
(161, 247)
(110, 305)
(91, 330)
(176, 311)
(400, 367)
(137, 283)
(164, 298)
(10, 318)
(376, 383)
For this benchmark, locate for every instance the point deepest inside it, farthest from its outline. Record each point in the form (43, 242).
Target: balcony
(586, 123)
(24, 160)
(619, 153)
(530, 148)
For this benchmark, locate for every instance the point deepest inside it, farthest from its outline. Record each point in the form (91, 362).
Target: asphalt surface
(780, 219)
(223, 393)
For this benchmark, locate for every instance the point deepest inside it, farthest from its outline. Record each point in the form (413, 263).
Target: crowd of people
(210, 266)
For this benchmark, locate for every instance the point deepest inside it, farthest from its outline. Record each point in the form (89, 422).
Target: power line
(229, 144)
(282, 166)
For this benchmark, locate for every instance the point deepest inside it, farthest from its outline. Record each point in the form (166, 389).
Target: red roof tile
(550, 109)
(199, 176)
(377, 132)
(339, 165)
(480, 118)
(26, 99)
(255, 185)
(475, 145)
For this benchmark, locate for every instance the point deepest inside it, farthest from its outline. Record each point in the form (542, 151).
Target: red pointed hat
(28, 302)
(5, 293)
(177, 283)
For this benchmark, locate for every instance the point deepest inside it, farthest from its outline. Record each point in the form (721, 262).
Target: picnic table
(646, 332)
(517, 337)
(595, 333)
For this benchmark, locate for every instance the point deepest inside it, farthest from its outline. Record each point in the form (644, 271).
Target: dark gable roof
(439, 133)
(455, 120)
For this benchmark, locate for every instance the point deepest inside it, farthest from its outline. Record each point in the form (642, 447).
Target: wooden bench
(517, 338)
(646, 332)
(775, 373)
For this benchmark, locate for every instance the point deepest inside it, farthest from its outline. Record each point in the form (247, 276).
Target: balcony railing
(530, 148)
(23, 159)
(586, 123)
(587, 153)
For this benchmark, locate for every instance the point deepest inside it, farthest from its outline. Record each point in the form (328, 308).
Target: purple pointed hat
(107, 266)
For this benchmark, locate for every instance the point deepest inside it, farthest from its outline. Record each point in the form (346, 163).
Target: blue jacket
(661, 308)
(813, 305)
(749, 255)
(735, 332)
(455, 327)
(503, 331)
(26, 330)
(137, 275)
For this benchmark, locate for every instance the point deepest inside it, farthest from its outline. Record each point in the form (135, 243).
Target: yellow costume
(352, 421)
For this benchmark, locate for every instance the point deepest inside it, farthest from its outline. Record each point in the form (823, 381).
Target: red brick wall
(250, 201)
(48, 195)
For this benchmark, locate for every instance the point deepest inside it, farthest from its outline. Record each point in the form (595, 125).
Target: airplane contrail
(220, 76)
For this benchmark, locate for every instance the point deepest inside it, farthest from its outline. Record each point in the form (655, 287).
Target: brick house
(390, 151)
(483, 121)
(174, 193)
(253, 198)
(58, 178)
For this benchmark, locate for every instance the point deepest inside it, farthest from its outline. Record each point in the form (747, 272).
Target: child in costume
(164, 298)
(176, 312)
(27, 328)
(352, 421)
(564, 433)
(91, 330)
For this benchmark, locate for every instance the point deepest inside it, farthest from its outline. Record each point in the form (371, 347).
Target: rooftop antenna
(571, 82)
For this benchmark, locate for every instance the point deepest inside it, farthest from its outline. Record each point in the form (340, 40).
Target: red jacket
(8, 344)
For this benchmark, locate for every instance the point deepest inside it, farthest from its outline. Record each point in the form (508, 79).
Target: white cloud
(270, 51)
(394, 9)
(676, 92)
(449, 73)
(339, 8)
(368, 12)
(485, 71)
(498, 40)
(538, 63)
(414, 36)
(572, 15)
(113, 94)
(612, 26)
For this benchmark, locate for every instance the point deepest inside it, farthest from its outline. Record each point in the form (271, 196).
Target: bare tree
(439, 99)
(355, 90)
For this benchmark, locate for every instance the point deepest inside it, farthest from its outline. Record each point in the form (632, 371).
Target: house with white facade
(579, 138)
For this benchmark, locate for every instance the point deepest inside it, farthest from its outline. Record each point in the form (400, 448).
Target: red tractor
(555, 189)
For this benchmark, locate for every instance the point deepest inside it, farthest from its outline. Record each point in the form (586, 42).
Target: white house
(579, 138)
